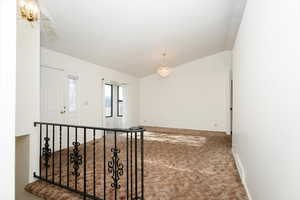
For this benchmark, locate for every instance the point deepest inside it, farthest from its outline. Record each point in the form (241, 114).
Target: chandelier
(29, 10)
(164, 71)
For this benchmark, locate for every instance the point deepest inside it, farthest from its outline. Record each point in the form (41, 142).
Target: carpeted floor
(178, 166)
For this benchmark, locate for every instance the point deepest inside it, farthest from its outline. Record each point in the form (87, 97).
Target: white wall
(28, 77)
(7, 100)
(90, 95)
(22, 166)
(194, 96)
(90, 86)
(266, 99)
(28, 87)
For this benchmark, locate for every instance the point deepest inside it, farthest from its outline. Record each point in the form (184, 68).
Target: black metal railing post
(142, 162)
(115, 167)
(84, 166)
(94, 163)
(75, 172)
(60, 138)
(53, 147)
(104, 164)
(131, 171)
(127, 165)
(40, 158)
(68, 152)
(135, 166)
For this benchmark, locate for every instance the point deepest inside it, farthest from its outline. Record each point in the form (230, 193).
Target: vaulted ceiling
(131, 35)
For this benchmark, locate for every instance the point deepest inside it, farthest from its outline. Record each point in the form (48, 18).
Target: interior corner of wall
(241, 170)
(238, 163)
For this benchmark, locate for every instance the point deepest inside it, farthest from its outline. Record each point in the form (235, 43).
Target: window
(120, 103)
(72, 84)
(108, 91)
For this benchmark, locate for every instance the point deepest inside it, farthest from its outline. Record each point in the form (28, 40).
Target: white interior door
(59, 100)
(53, 107)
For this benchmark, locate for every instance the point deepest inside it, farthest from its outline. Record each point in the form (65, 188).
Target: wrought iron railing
(97, 163)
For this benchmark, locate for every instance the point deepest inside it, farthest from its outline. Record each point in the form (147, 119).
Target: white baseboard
(241, 171)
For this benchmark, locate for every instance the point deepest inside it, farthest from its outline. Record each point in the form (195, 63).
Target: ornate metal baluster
(46, 152)
(76, 159)
(115, 167)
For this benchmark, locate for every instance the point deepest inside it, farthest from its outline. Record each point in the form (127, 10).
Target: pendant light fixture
(164, 71)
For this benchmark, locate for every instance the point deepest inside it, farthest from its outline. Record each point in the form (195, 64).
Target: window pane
(72, 95)
(120, 101)
(108, 100)
(120, 93)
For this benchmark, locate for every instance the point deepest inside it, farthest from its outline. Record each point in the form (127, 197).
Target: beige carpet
(181, 166)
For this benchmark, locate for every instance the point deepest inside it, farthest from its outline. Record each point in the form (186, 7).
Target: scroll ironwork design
(115, 168)
(46, 152)
(76, 159)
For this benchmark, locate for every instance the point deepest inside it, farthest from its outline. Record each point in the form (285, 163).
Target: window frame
(118, 102)
(111, 101)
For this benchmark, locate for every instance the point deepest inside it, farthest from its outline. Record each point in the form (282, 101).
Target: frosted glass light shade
(164, 71)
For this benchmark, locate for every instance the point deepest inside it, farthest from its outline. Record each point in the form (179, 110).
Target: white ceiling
(131, 35)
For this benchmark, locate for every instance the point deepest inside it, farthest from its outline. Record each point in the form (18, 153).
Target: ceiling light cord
(164, 59)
